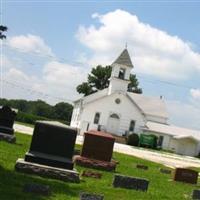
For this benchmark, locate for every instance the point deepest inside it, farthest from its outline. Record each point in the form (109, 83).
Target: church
(119, 112)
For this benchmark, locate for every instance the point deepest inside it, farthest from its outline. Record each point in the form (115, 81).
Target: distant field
(161, 186)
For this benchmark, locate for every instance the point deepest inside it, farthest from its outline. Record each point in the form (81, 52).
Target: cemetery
(54, 173)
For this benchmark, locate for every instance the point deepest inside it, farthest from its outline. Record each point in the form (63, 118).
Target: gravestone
(165, 171)
(196, 194)
(129, 182)
(37, 189)
(89, 196)
(97, 151)
(89, 173)
(144, 167)
(51, 152)
(186, 175)
(7, 118)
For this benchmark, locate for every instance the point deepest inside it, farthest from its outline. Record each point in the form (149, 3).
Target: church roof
(175, 131)
(149, 105)
(124, 59)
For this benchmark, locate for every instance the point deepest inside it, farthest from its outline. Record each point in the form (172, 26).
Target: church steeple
(121, 69)
(124, 59)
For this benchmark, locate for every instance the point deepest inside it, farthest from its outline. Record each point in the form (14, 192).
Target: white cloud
(184, 114)
(195, 93)
(30, 43)
(57, 82)
(63, 78)
(153, 51)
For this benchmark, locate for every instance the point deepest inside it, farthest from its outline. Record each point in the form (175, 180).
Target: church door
(113, 124)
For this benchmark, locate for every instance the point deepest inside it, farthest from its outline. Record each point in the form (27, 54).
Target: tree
(133, 85)
(85, 89)
(98, 79)
(3, 29)
(63, 111)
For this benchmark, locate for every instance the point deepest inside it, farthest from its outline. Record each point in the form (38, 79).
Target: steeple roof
(124, 59)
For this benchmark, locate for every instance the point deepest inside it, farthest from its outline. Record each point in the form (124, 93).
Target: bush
(28, 118)
(133, 139)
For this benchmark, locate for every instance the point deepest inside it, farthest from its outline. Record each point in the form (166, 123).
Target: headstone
(186, 175)
(37, 189)
(97, 151)
(88, 196)
(7, 117)
(165, 171)
(89, 173)
(129, 182)
(144, 167)
(98, 145)
(52, 146)
(196, 194)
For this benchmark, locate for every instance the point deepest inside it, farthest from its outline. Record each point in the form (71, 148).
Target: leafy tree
(85, 89)
(3, 29)
(63, 111)
(29, 111)
(133, 85)
(98, 79)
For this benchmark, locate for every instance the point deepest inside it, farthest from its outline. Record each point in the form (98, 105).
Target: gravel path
(170, 160)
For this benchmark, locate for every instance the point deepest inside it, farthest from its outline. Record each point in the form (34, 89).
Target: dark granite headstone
(52, 145)
(196, 194)
(7, 118)
(144, 167)
(88, 196)
(129, 182)
(37, 189)
(186, 175)
(98, 145)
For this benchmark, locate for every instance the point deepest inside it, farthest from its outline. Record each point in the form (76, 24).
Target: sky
(52, 46)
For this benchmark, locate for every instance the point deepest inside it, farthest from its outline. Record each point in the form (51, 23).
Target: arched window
(115, 116)
(96, 118)
(122, 73)
(132, 126)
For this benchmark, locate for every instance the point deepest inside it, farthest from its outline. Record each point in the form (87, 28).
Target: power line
(36, 92)
(64, 61)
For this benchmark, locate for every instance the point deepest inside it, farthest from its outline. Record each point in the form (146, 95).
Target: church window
(122, 73)
(160, 140)
(117, 101)
(132, 126)
(115, 116)
(96, 118)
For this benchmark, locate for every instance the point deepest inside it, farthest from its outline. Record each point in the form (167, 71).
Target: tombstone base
(96, 164)
(49, 160)
(47, 171)
(7, 130)
(7, 138)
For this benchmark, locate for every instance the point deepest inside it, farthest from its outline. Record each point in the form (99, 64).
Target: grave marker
(129, 182)
(51, 152)
(97, 151)
(186, 175)
(7, 118)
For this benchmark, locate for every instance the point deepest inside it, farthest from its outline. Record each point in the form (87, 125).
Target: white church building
(117, 111)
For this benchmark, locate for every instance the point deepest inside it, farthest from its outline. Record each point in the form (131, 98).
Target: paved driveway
(171, 160)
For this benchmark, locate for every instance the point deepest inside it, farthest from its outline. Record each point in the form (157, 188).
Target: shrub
(133, 139)
(28, 118)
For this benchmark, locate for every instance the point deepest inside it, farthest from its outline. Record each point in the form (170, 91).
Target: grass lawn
(11, 183)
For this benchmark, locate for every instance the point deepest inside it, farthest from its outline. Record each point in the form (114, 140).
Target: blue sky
(77, 36)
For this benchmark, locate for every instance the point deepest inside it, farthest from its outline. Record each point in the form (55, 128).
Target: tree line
(61, 111)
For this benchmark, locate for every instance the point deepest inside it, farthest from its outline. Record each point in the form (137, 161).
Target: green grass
(161, 185)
